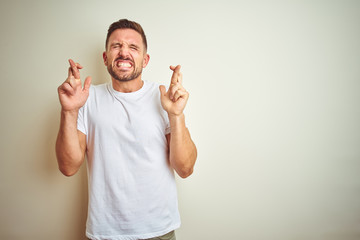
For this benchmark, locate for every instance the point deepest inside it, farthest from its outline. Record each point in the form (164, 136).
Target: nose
(123, 52)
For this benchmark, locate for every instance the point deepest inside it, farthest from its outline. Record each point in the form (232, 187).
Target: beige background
(274, 110)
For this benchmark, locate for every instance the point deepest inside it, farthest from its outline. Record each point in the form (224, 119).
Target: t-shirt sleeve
(167, 129)
(167, 122)
(80, 121)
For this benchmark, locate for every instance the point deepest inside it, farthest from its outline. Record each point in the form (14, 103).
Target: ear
(105, 58)
(146, 60)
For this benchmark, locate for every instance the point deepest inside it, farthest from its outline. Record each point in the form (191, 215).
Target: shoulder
(98, 90)
(99, 87)
(154, 86)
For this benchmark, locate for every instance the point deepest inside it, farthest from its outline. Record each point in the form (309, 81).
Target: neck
(128, 86)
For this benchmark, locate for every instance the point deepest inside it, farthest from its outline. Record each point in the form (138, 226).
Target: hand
(174, 100)
(71, 94)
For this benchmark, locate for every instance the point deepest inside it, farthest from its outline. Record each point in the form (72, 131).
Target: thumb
(87, 83)
(162, 90)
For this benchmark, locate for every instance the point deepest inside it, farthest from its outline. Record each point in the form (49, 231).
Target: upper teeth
(122, 64)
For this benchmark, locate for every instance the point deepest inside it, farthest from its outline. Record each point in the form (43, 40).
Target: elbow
(68, 172)
(68, 165)
(186, 168)
(185, 172)
(69, 168)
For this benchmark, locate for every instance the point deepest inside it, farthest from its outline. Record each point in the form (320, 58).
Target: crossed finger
(172, 90)
(181, 93)
(177, 91)
(177, 75)
(73, 81)
(74, 69)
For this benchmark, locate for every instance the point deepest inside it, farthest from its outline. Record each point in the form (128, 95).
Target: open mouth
(123, 64)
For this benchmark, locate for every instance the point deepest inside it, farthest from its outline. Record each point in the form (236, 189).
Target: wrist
(70, 113)
(176, 117)
(177, 122)
(68, 119)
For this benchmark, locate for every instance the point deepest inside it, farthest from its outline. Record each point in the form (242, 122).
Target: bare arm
(183, 152)
(71, 143)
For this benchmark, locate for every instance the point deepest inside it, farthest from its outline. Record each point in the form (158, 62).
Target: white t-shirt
(132, 190)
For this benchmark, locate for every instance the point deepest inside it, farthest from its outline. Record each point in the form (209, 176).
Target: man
(134, 135)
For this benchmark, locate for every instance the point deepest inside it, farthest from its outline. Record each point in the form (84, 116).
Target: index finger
(75, 69)
(176, 74)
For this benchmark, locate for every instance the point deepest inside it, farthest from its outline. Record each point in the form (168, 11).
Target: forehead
(125, 35)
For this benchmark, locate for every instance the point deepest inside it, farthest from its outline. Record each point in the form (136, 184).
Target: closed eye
(134, 47)
(115, 45)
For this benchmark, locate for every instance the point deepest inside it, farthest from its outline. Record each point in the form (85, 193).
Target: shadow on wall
(98, 69)
(68, 195)
(71, 192)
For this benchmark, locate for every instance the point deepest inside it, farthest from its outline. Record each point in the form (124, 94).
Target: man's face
(125, 56)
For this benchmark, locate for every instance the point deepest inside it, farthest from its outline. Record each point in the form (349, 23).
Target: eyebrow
(113, 44)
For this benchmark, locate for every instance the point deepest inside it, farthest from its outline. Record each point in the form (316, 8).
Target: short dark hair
(123, 24)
